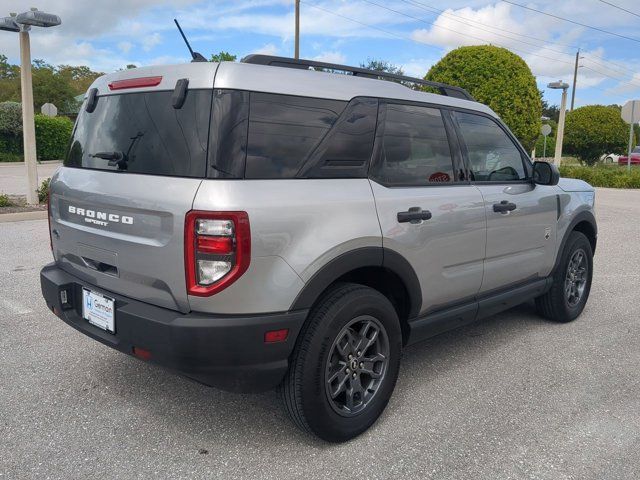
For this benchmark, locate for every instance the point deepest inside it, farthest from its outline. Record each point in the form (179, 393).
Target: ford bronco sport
(271, 224)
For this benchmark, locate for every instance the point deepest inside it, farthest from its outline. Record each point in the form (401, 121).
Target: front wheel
(345, 364)
(569, 292)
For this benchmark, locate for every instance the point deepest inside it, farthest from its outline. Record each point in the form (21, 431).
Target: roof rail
(443, 88)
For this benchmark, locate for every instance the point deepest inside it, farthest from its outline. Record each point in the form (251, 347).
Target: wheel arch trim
(583, 216)
(360, 258)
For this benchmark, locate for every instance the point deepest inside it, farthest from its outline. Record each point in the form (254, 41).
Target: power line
(484, 40)
(573, 21)
(404, 37)
(613, 78)
(620, 8)
(433, 9)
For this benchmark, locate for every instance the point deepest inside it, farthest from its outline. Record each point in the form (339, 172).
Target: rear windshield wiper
(116, 159)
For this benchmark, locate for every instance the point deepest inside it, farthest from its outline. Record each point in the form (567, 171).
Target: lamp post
(21, 24)
(563, 110)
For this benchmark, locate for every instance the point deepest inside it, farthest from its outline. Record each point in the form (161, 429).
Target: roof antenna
(196, 57)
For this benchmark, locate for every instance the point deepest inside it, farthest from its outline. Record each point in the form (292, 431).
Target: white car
(609, 158)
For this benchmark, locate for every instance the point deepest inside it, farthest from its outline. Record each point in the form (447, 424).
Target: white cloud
(268, 49)
(331, 57)
(149, 42)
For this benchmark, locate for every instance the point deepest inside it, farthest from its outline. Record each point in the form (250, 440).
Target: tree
(550, 111)
(223, 57)
(79, 78)
(594, 130)
(382, 66)
(498, 78)
(48, 84)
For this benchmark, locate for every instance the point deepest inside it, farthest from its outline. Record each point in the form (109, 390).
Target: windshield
(636, 150)
(143, 133)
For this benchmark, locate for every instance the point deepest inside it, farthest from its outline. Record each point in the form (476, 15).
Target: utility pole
(28, 126)
(575, 78)
(297, 52)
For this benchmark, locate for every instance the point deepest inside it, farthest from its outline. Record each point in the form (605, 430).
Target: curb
(22, 216)
(43, 162)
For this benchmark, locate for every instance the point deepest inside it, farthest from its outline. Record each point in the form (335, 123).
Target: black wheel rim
(575, 281)
(357, 365)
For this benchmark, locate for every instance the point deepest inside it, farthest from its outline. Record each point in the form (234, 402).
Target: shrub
(4, 200)
(499, 78)
(613, 176)
(10, 119)
(52, 136)
(43, 190)
(594, 130)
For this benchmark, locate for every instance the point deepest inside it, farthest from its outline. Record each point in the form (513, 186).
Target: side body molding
(361, 258)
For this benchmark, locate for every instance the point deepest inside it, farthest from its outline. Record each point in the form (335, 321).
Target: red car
(635, 157)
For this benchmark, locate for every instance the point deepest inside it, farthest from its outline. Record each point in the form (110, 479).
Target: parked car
(635, 157)
(260, 225)
(609, 158)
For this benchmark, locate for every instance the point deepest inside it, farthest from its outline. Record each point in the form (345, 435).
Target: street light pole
(21, 24)
(297, 40)
(28, 126)
(557, 159)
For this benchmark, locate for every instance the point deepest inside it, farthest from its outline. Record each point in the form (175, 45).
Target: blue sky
(109, 34)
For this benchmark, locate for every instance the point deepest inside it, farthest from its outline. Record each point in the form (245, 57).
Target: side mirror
(545, 173)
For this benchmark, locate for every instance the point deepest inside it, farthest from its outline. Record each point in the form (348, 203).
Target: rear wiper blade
(118, 159)
(109, 155)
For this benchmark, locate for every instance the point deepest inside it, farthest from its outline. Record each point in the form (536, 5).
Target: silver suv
(271, 223)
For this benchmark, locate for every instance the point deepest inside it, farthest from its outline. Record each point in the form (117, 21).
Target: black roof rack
(443, 88)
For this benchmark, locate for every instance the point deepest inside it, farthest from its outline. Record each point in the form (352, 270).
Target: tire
(608, 160)
(569, 292)
(320, 364)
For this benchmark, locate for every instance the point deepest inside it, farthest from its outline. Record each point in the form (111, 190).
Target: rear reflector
(135, 83)
(215, 245)
(275, 336)
(142, 353)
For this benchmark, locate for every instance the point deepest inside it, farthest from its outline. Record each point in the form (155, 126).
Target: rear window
(143, 133)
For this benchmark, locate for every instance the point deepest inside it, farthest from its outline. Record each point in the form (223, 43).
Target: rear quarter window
(143, 133)
(284, 130)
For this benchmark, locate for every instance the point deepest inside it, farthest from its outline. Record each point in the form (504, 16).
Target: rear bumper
(227, 352)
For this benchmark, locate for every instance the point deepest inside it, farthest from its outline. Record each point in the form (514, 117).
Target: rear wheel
(345, 364)
(569, 292)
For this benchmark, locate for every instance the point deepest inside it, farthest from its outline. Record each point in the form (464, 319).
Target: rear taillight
(217, 250)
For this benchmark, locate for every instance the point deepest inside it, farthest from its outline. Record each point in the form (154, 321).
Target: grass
(10, 157)
(611, 176)
(5, 201)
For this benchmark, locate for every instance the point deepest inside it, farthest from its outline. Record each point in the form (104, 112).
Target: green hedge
(52, 136)
(613, 176)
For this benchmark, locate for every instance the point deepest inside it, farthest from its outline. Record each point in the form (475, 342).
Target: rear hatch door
(134, 166)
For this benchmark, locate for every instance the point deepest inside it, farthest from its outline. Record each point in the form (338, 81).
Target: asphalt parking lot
(511, 397)
(12, 176)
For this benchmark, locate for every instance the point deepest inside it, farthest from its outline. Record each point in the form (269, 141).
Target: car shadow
(226, 420)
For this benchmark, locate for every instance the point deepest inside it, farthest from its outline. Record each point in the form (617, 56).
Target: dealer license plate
(99, 310)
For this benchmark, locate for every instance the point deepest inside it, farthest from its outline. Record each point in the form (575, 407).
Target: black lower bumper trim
(227, 352)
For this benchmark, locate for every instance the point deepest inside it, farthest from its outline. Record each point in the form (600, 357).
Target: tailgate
(123, 232)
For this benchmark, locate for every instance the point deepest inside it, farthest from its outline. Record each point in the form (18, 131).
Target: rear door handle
(414, 215)
(504, 206)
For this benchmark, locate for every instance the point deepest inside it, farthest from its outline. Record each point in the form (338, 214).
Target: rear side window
(284, 130)
(143, 133)
(492, 155)
(414, 147)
